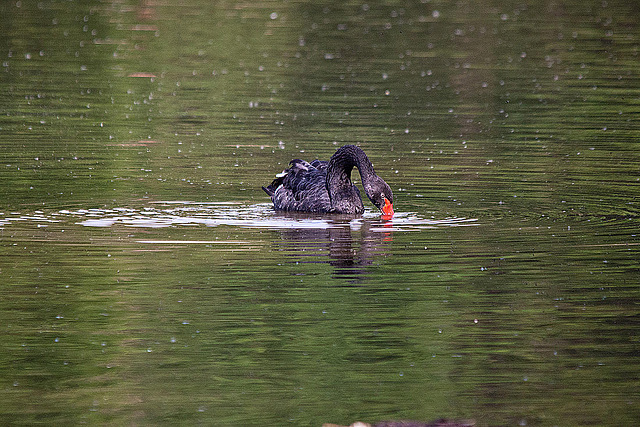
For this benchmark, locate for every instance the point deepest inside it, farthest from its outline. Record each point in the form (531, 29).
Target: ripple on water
(185, 213)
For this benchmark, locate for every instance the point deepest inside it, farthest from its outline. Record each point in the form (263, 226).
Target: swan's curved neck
(340, 167)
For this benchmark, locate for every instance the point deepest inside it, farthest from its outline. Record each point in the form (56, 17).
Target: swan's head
(381, 196)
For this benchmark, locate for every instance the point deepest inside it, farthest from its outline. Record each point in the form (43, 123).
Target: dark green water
(145, 279)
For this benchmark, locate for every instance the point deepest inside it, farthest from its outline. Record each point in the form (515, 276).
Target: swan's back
(302, 187)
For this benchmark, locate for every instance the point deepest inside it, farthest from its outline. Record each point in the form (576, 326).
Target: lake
(146, 279)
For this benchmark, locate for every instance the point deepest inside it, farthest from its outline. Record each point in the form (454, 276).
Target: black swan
(326, 187)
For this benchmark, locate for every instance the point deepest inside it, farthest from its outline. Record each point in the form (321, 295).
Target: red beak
(387, 209)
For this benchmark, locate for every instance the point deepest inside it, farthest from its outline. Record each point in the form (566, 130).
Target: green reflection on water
(523, 117)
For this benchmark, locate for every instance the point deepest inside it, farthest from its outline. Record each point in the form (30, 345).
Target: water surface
(145, 278)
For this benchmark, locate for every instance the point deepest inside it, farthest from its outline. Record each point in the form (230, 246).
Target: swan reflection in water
(350, 243)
